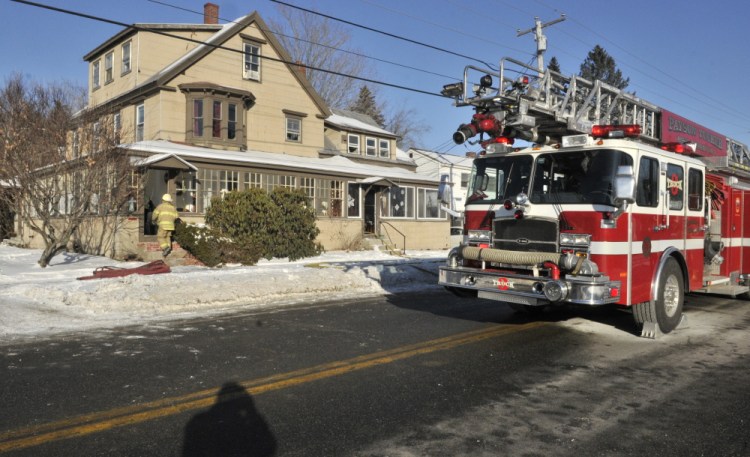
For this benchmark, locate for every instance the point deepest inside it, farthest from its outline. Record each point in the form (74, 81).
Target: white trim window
(140, 122)
(353, 143)
(215, 183)
(370, 146)
(428, 204)
(384, 148)
(308, 186)
(293, 129)
(398, 202)
(95, 75)
(109, 67)
(251, 60)
(126, 56)
(253, 180)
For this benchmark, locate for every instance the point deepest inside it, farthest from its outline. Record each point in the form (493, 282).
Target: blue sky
(688, 57)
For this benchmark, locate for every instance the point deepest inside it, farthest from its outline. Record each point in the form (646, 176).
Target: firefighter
(164, 216)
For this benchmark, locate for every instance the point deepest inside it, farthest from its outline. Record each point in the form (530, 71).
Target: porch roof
(337, 165)
(170, 161)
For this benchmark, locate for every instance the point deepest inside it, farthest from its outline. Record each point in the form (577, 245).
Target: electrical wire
(398, 37)
(345, 51)
(215, 46)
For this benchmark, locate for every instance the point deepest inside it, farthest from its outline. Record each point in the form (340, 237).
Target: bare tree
(409, 127)
(67, 180)
(317, 42)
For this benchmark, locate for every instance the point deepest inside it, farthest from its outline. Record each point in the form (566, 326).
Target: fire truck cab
(635, 214)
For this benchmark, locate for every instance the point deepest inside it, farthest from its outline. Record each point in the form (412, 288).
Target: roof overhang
(165, 161)
(376, 181)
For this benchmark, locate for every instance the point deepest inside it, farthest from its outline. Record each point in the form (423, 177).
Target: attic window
(251, 60)
(293, 129)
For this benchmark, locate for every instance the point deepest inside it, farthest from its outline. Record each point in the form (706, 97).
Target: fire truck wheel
(666, 311)
(669, 297)
(462, 293)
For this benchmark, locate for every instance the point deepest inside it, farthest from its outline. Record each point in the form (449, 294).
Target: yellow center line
(87, 424)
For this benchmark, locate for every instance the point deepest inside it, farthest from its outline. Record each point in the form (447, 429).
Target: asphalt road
(409, 375)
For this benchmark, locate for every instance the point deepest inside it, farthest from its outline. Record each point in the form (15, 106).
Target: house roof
(349, 120)
(222, 35)
(337, 165)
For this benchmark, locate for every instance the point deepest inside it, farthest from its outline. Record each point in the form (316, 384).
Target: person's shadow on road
(231, 427)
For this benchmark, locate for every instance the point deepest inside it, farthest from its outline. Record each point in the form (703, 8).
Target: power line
(216, 46)
(398, 37)
(345, 51)
(483, 39)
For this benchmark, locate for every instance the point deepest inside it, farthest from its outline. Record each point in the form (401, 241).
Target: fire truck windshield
(577, 176)
(558, 177)
(494, 179)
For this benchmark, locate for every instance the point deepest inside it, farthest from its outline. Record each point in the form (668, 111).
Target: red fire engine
(614, 201)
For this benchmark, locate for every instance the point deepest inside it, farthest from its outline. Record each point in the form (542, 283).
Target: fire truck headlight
(555, 291)
(575, 240)
(478, 236)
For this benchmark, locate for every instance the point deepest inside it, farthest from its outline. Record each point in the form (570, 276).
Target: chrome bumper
(529, 290)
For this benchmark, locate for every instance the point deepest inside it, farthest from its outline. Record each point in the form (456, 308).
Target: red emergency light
(679, 148)
(616, 131)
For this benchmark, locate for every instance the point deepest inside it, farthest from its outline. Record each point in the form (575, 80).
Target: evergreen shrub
(244, 226)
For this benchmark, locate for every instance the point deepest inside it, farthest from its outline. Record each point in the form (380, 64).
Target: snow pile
(42, 301)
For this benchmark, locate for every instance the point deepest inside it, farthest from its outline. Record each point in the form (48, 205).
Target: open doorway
(370, 213)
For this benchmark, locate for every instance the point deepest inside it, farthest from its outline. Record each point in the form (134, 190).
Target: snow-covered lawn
(37, 301)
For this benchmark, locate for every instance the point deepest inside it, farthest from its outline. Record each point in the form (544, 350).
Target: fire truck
(612, 200)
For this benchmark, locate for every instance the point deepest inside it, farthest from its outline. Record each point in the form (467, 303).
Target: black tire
(461, 293)
(666, 310)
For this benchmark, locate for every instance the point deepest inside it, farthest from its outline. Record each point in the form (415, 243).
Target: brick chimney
(210, 13)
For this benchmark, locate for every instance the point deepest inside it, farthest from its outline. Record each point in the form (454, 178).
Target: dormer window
(370, 148)
(384, 148)
(353, 144)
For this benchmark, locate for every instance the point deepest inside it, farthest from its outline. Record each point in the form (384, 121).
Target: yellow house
(214, 108)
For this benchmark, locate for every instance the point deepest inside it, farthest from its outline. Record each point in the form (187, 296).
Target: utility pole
(541, 40)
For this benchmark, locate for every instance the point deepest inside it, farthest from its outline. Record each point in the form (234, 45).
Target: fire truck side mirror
(625, 185)
(483, 181)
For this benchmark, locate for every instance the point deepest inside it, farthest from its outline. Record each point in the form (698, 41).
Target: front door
(370, 212)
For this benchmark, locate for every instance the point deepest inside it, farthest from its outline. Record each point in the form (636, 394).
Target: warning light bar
(679, 148)
(616, 131)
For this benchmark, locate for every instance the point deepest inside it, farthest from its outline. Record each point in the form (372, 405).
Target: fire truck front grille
(538, 235)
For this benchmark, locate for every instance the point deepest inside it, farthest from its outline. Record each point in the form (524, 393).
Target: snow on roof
(157, 158)
(348, 122)
(335, 164)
